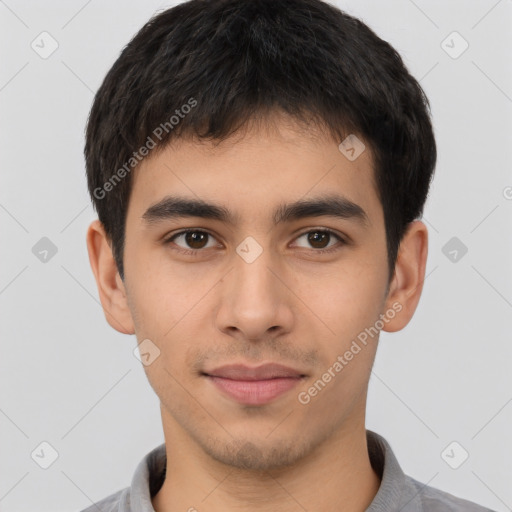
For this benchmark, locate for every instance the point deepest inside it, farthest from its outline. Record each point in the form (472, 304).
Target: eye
(193, 238)
(319, 239)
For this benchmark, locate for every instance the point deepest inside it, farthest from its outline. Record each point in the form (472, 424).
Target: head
(293, 144)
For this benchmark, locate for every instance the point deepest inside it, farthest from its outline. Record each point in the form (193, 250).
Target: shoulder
(116, 502)
(146, 481)
(436, 500)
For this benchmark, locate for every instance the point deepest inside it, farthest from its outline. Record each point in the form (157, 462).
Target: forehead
(253, 174)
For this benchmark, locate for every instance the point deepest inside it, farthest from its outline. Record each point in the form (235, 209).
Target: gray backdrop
(68, 379)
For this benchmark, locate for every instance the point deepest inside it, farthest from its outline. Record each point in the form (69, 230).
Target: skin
(291, 306)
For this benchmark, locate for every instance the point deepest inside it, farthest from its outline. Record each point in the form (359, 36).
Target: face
(255, 310)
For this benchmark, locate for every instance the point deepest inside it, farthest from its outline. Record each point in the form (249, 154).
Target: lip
(248, 373)
(254, 385)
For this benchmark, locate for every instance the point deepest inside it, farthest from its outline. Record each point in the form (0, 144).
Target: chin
(253, 456)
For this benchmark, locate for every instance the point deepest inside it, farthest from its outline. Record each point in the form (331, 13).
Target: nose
(255, 303)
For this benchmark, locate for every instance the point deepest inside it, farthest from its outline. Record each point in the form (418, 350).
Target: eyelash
(195, 252)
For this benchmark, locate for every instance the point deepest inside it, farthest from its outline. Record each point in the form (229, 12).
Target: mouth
(254, 385)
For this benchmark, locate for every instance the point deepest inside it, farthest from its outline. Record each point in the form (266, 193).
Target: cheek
(163, 298)
(350, 307)
(172, 311)
(347, 300)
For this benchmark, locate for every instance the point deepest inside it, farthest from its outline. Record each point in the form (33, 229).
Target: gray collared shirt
(397, 491)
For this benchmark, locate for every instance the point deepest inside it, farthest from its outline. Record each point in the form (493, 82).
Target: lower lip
(255, 392)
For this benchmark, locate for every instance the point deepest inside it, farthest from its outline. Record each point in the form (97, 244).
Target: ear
(407, 282)
(110, 286)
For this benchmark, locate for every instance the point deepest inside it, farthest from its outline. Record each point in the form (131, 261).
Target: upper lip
(263, 372)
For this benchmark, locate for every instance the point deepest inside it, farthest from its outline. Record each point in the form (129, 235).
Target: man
(258, 168)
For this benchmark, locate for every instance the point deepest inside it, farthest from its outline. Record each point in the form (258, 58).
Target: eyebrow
(174, 207)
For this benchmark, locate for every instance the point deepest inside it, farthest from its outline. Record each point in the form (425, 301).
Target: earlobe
(407, 284)
(110, 286)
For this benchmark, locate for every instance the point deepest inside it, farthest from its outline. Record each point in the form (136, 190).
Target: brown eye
(196, 239)
(320, 239)
(191, 240)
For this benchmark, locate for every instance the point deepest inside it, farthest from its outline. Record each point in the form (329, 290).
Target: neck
(337, 476)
